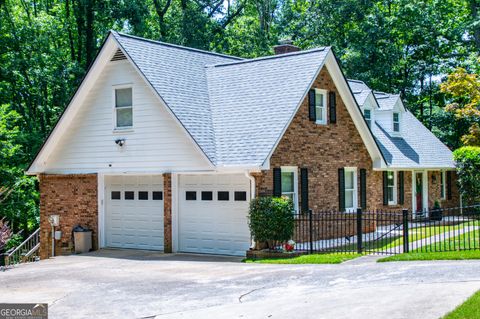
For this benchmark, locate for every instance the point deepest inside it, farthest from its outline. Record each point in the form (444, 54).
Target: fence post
(405, 231)
(359, 231)
(310, 226)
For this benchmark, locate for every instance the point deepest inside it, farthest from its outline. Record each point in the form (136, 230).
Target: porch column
(167, 212)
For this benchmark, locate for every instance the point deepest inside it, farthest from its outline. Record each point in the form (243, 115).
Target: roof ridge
(176, 46)
(269, 57)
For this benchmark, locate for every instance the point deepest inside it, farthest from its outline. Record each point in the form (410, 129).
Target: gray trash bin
(83, 239)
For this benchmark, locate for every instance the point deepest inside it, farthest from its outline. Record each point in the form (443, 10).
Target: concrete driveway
(140, 284)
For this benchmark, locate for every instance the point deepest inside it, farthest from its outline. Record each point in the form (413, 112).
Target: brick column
(167, 212)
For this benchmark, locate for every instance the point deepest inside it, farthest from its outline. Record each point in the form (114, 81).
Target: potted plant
(437, 212)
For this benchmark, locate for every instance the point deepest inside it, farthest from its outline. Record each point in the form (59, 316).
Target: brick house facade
(200, 150)
(323, 149)
(75, 199)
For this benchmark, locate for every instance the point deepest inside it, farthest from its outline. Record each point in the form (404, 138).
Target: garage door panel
(213, 226)
(135, 223)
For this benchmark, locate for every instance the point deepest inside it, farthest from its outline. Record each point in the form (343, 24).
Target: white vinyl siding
(321, 106)
(351, 196)
(157, 142)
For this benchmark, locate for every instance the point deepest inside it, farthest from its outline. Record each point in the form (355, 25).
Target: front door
(419, 192)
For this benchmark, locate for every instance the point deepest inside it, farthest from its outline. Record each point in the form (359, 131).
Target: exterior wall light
(120, 142)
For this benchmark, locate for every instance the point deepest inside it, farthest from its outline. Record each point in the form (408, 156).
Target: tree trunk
(89, 32)
(69, 30)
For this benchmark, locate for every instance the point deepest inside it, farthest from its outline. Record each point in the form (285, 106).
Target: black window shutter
(277, 182)
(363, 188)
(401, 188)
(341, 189)
(304, 188)
(449, 185)
(312, 115)
(385, 188)
(332, 98)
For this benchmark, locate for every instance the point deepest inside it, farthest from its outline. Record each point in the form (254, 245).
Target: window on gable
(289, 184)
(367, 113)
(321, 106)
(351, 196)
(123, 108)
(396, 122)
(392, 187)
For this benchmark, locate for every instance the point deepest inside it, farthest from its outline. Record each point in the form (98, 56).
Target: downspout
(252, 196)
(252, 184)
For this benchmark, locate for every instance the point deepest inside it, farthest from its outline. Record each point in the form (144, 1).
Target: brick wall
(434, 190)
(323, 149)
(75, 199)
(167, 212)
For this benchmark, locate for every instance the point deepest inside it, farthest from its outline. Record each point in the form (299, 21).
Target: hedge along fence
(468, 171)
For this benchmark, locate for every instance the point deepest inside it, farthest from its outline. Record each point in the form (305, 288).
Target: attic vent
(118, 56)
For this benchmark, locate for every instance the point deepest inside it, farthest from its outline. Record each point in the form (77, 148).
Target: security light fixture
(120, 142)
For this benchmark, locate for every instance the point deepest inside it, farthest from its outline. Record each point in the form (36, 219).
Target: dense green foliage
(271, 219)
(468, 169)
(400, 46)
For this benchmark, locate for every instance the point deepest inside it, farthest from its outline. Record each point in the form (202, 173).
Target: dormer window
(123, 108)
(396, 122)
(321, 106)
(367, 113)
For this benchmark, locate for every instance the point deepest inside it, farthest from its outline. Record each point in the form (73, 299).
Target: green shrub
(468, 170)
(271, 219)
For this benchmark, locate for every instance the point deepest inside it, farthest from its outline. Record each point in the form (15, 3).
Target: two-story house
(162, 147)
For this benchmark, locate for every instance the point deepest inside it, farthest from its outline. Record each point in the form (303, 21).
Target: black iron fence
(388, 232)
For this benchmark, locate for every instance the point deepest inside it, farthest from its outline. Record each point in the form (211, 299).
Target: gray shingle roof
(358, 86)
(416, 148)
(227, 103)
(386, 101)
(252, 102)
(360, 91)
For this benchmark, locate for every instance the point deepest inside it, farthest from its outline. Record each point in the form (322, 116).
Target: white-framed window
(290, 184)
(321, 106)
(396, 122)
(351, 194)
(392, 187)
(443, 188)
(123, 97)
(367, 113)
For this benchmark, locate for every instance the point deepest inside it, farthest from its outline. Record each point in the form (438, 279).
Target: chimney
(285, 46)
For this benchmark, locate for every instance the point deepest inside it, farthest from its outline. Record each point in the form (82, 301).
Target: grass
(307, 259)
(444, 255)
(469, 309)
(456, 249)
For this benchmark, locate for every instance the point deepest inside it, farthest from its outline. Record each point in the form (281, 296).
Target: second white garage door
(134, 212)
(213, 214)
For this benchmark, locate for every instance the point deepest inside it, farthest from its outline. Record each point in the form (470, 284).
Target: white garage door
(213, 214)
(134, 212)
